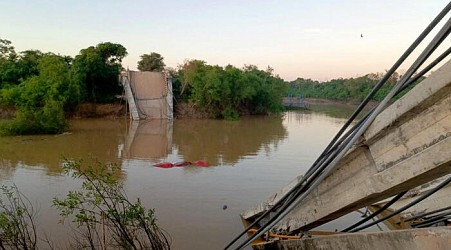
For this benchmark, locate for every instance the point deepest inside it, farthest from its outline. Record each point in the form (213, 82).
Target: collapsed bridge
(397, 148)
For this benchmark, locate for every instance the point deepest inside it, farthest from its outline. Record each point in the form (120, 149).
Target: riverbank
(85, 110)
(182, 110)
(93, 110)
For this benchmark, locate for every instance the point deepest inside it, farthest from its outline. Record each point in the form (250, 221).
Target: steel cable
(410, 204)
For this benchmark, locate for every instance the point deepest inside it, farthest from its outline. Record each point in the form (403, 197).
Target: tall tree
(6, 49)
(151, 62)
(97, 69)
(8, 58)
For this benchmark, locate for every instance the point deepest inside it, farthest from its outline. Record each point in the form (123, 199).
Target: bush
(40, 99)
(102, 211)
(17, 227)
(229, 92)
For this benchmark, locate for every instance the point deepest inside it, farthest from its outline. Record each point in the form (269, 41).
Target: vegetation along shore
(39, 91)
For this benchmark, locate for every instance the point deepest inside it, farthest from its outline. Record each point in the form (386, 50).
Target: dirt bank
(90, 110)
(7, 112)
(85, 110)
(189, 110)
(181, 109)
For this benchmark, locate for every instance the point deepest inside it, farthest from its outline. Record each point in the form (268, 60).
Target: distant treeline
(344, 89)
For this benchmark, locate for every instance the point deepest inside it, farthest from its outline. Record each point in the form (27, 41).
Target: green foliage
(40, 99)
(151, 62)
(102, 211)
(7, 62)
(43, 86)
(14, 67)
(96, 70)
(344, 89)
(17, 228)
(229, 92)
(47, 120)
(6, 49)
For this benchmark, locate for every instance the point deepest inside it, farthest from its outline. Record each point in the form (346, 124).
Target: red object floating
(201, 163)
(182, 163)
(164, 165)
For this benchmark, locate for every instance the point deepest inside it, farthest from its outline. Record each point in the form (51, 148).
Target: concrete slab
(413, 239)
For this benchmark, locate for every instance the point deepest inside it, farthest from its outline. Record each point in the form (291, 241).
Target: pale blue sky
(318, 39)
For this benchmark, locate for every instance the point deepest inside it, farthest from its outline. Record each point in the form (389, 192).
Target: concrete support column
(169, 98)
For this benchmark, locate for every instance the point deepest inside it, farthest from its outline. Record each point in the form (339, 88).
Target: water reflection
(339, 110)
(99, 138)
(226, 142)
(298, 116)
(148, 139)
(218, 142)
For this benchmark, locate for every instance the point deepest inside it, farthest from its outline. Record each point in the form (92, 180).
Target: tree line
(355, 89)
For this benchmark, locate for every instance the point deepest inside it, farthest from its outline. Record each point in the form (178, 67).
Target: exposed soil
(181, 109)
(90, 110)
(7, 112)
(189, 110)
(86, 110)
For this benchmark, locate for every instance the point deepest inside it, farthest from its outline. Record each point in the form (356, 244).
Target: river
(199, 207)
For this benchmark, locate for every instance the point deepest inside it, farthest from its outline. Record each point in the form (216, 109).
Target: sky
(317, 39)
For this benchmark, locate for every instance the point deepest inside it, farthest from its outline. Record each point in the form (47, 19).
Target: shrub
(103, 213)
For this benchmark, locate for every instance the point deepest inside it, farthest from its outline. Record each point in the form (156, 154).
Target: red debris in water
(182, 163)
(201, 163)
(164, 165)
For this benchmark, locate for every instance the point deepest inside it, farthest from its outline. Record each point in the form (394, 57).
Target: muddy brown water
(249, 159)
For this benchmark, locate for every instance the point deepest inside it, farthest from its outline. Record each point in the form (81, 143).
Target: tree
(28, 63)
(151, 62)
(40, 100)
(96, 69)
(6, 49)
(17, 226)
(8, 58)
(227, 92)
